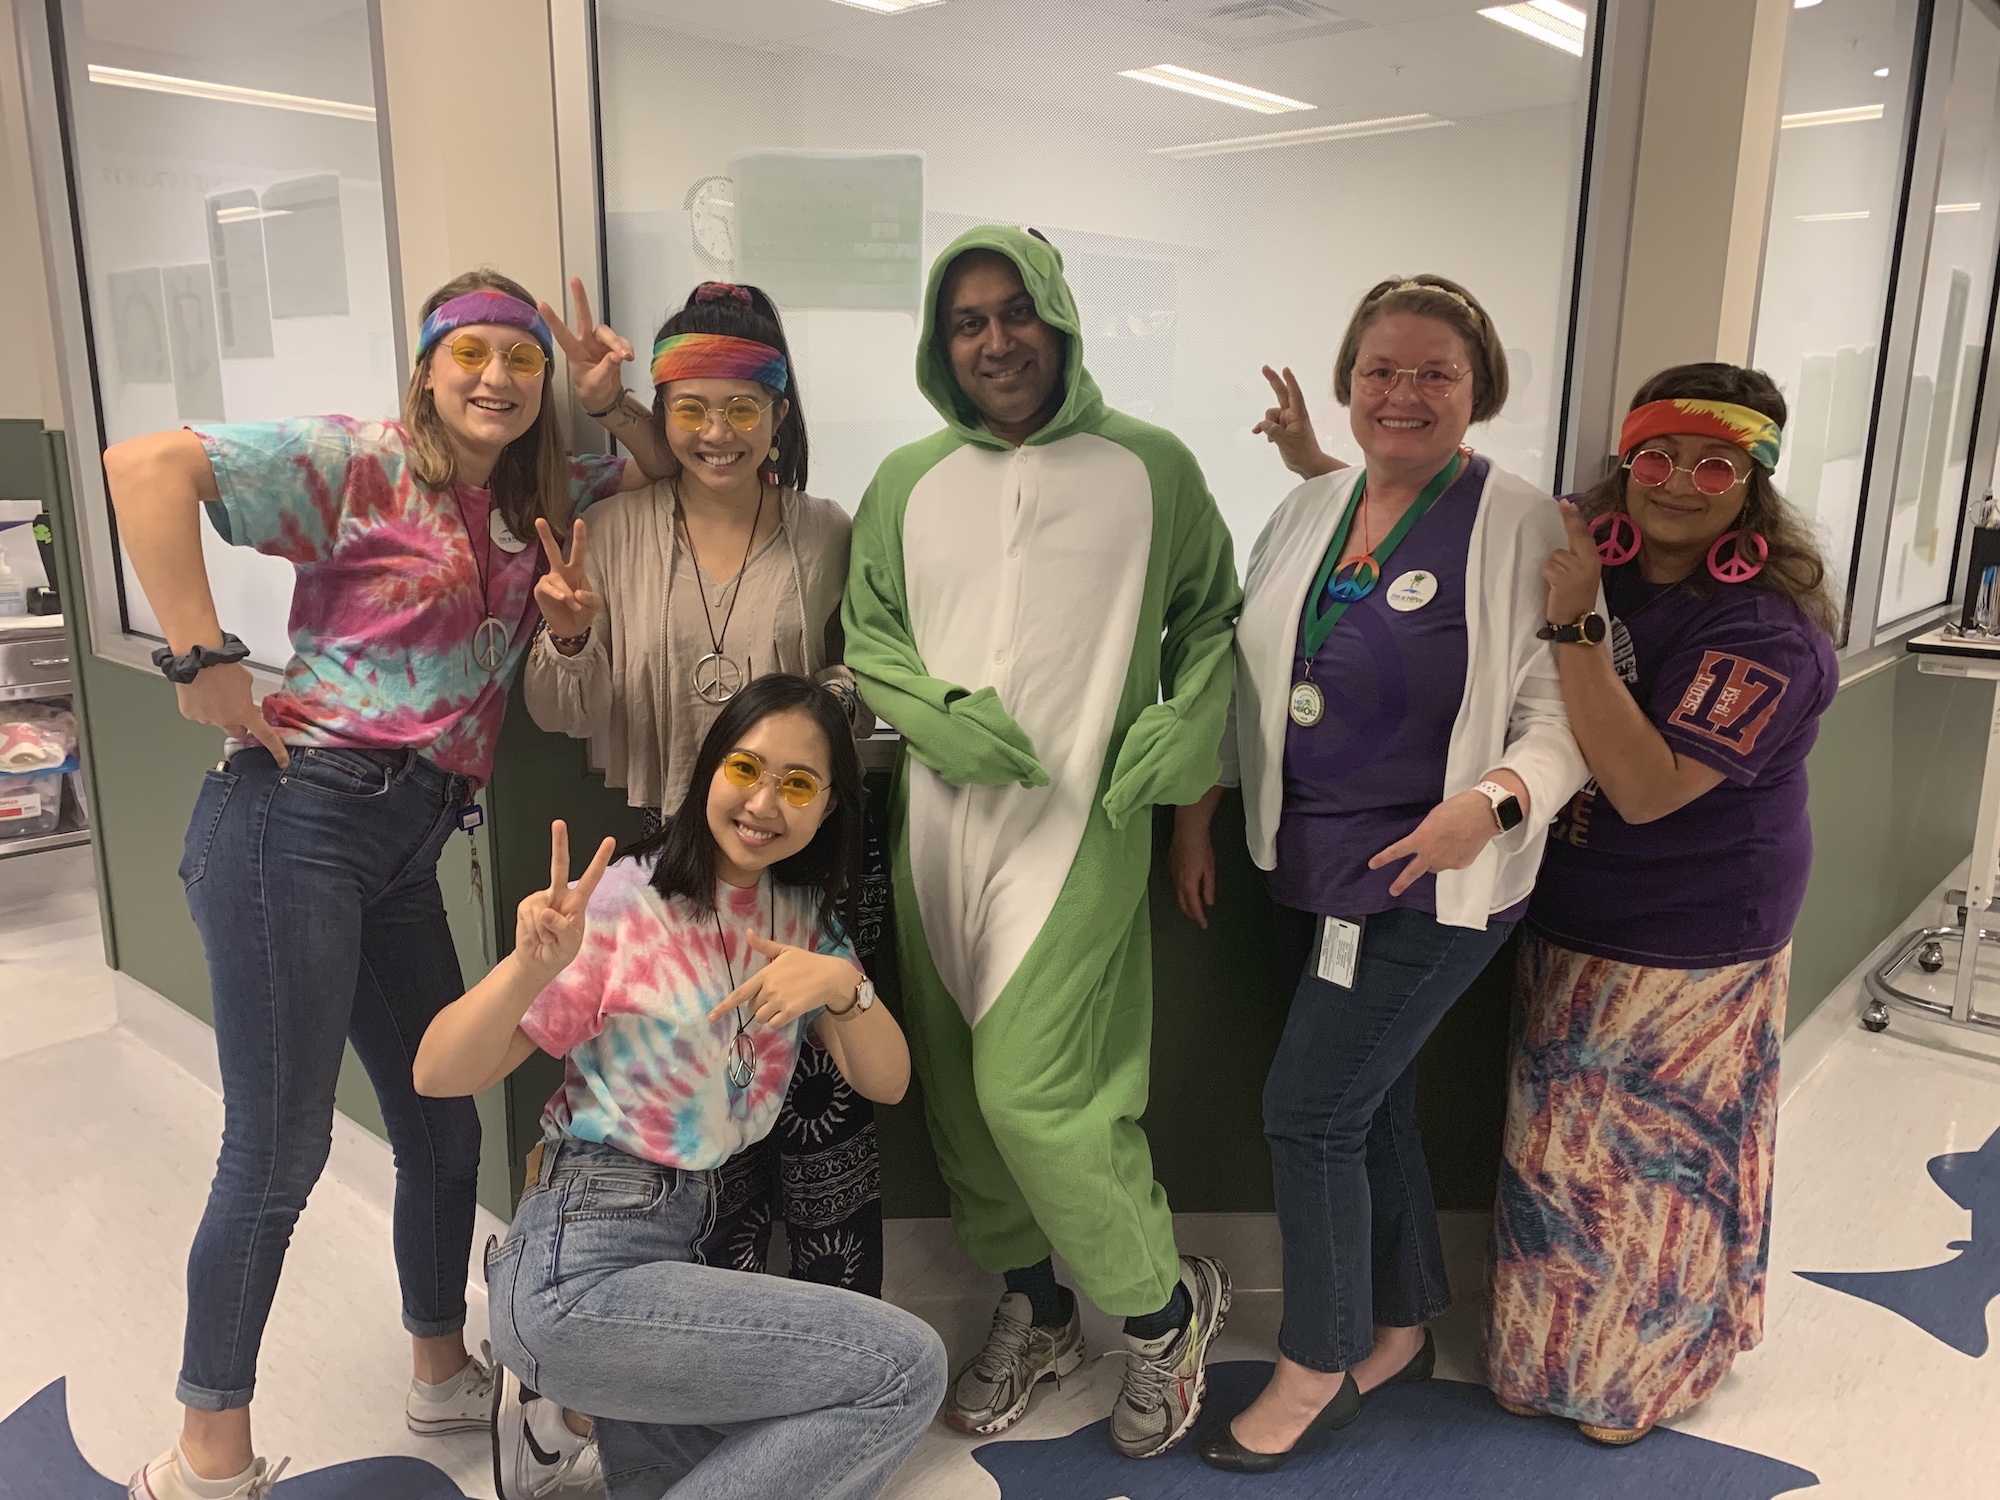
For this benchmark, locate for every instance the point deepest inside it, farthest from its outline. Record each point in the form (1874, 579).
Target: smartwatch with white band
(1506, 806)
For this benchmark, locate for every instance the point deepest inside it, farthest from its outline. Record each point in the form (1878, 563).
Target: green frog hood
(1041, 268)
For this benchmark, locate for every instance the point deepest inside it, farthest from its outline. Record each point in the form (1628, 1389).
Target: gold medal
(1308, 705)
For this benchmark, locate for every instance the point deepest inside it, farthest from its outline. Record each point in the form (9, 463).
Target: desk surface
(1956, 656)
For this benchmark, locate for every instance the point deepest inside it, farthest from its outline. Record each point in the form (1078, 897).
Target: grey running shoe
(991, 1394)
(1164, 1377)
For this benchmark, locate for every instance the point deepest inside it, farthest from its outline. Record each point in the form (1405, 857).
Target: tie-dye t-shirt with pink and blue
(644, 1069)
(387, 596)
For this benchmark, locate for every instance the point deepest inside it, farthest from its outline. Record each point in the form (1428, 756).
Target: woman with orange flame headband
(1630, 1235)
(680, 594)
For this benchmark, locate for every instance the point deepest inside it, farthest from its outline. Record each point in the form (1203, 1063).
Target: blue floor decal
(39, 1461)
(1441, 1440)
(1947, 1300)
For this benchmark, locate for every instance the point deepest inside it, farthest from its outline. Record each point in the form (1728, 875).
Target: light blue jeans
(703, 1382)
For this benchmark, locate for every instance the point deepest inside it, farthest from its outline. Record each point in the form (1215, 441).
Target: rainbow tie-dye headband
(1752, 431)
(718, 356)
(484, 307)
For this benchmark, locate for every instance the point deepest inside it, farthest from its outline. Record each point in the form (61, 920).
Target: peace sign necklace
(491, 639)
(742, 1051)
(717, 679)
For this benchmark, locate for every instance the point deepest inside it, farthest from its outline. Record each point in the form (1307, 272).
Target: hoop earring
(1746, 558)
(1617, 537)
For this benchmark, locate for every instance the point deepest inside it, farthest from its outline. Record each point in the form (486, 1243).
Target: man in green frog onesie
(1041, 601)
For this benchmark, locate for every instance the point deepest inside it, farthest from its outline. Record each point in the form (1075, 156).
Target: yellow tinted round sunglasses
(744, 769)
(471, 352)
(690, 413)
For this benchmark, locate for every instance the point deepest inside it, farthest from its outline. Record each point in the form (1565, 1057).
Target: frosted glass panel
(1952, 328)
(1203, 240)
(1834, 202)
(235, 253)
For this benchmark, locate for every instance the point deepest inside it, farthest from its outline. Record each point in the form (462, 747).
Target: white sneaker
(991, 1393)
(1166, 1377)
(162, 1479)
(464, 1404)
(535, 1455)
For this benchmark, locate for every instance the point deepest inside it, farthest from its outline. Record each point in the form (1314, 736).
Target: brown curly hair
(1449, 303)
(1795, 570)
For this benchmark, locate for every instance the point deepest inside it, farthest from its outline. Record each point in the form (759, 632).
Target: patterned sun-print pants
(819, 1171)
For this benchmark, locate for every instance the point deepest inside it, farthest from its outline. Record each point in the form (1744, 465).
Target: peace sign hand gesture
(564, 593)
(1289, 427)
(1572, 570)
(549, 925)
(594, 351)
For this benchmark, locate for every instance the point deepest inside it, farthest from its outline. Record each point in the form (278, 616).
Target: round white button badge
(503, 536)
(1413, 590)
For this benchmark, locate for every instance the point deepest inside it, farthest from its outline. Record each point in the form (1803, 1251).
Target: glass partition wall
(1224, 181)
(1877, 303)
(226, 173)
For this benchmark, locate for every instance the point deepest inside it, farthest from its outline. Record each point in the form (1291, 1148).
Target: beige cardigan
(623, 687)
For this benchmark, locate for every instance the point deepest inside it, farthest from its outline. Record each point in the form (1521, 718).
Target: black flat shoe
(1220, 1450)
(1423, 1364)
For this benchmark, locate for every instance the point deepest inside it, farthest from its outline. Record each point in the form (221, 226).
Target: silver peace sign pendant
(717, 679)
(489, 644)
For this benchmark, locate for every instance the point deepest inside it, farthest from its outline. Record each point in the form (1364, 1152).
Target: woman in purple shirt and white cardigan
(1401, 741)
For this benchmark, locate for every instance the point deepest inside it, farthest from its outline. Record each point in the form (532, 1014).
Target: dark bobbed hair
(830, 862)
(530, 479)
(1436, 297)
(1795, 570)
(756, 319)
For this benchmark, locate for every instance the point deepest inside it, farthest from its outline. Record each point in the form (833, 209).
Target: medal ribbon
(1319, 622)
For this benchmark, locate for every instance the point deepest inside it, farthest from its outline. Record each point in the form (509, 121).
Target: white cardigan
(1511, 715)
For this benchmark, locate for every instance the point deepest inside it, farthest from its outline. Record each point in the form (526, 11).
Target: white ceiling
(1352, 59)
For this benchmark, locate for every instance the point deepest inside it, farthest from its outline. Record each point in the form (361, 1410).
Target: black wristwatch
(1587, 630)
(185, 669)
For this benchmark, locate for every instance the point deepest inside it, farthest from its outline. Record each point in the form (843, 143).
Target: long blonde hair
(530, 480)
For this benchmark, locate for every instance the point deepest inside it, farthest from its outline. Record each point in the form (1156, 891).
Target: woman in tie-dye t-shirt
(311, 856)
(678, 985)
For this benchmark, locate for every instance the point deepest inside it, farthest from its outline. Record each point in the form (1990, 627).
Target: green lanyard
(1319, 625)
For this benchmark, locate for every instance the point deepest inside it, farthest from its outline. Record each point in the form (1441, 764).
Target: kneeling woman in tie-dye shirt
(678, 985)
(311, 858)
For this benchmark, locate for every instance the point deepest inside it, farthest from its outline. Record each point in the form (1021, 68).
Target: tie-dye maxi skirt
(1633, 1222)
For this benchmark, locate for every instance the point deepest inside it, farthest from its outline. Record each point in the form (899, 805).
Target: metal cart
(34, 663)
(1894, 983)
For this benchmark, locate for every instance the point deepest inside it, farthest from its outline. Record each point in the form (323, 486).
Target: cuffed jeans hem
(436, 1329)
(200, 1398)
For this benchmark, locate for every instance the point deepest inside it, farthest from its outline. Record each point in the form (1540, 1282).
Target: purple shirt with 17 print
(1733, 677)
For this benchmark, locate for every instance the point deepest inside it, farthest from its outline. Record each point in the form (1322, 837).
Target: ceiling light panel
(228, 93)
(1550, 22)
(1840, 218)
(1311, 136)
(888, 7)
(1217, 90)
(1957, 208)
(1856, 115)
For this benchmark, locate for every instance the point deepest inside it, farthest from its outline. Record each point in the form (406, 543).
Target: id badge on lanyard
(1339, 950)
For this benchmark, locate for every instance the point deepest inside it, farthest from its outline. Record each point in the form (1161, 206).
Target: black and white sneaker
(535, 1455)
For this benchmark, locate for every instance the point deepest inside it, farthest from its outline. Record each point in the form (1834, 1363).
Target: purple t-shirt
(1366, 774)
(1735, 678)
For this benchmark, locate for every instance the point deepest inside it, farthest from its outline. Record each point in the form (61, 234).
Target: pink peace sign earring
(1617, 538)
(1746, 557)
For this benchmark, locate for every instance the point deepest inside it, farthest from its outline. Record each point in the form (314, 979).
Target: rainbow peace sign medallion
(1354, 580)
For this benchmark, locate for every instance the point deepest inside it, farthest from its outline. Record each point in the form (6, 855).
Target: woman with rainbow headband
(678, 596)
(1632, 1227)
(311, 858)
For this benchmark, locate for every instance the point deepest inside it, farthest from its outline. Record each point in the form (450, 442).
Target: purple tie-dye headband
(484, 307)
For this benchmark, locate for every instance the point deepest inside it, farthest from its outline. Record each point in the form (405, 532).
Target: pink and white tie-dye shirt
(644, 1069)
(387, 596)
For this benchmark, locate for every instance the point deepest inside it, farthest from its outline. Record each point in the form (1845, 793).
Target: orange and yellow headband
(1752, 431)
